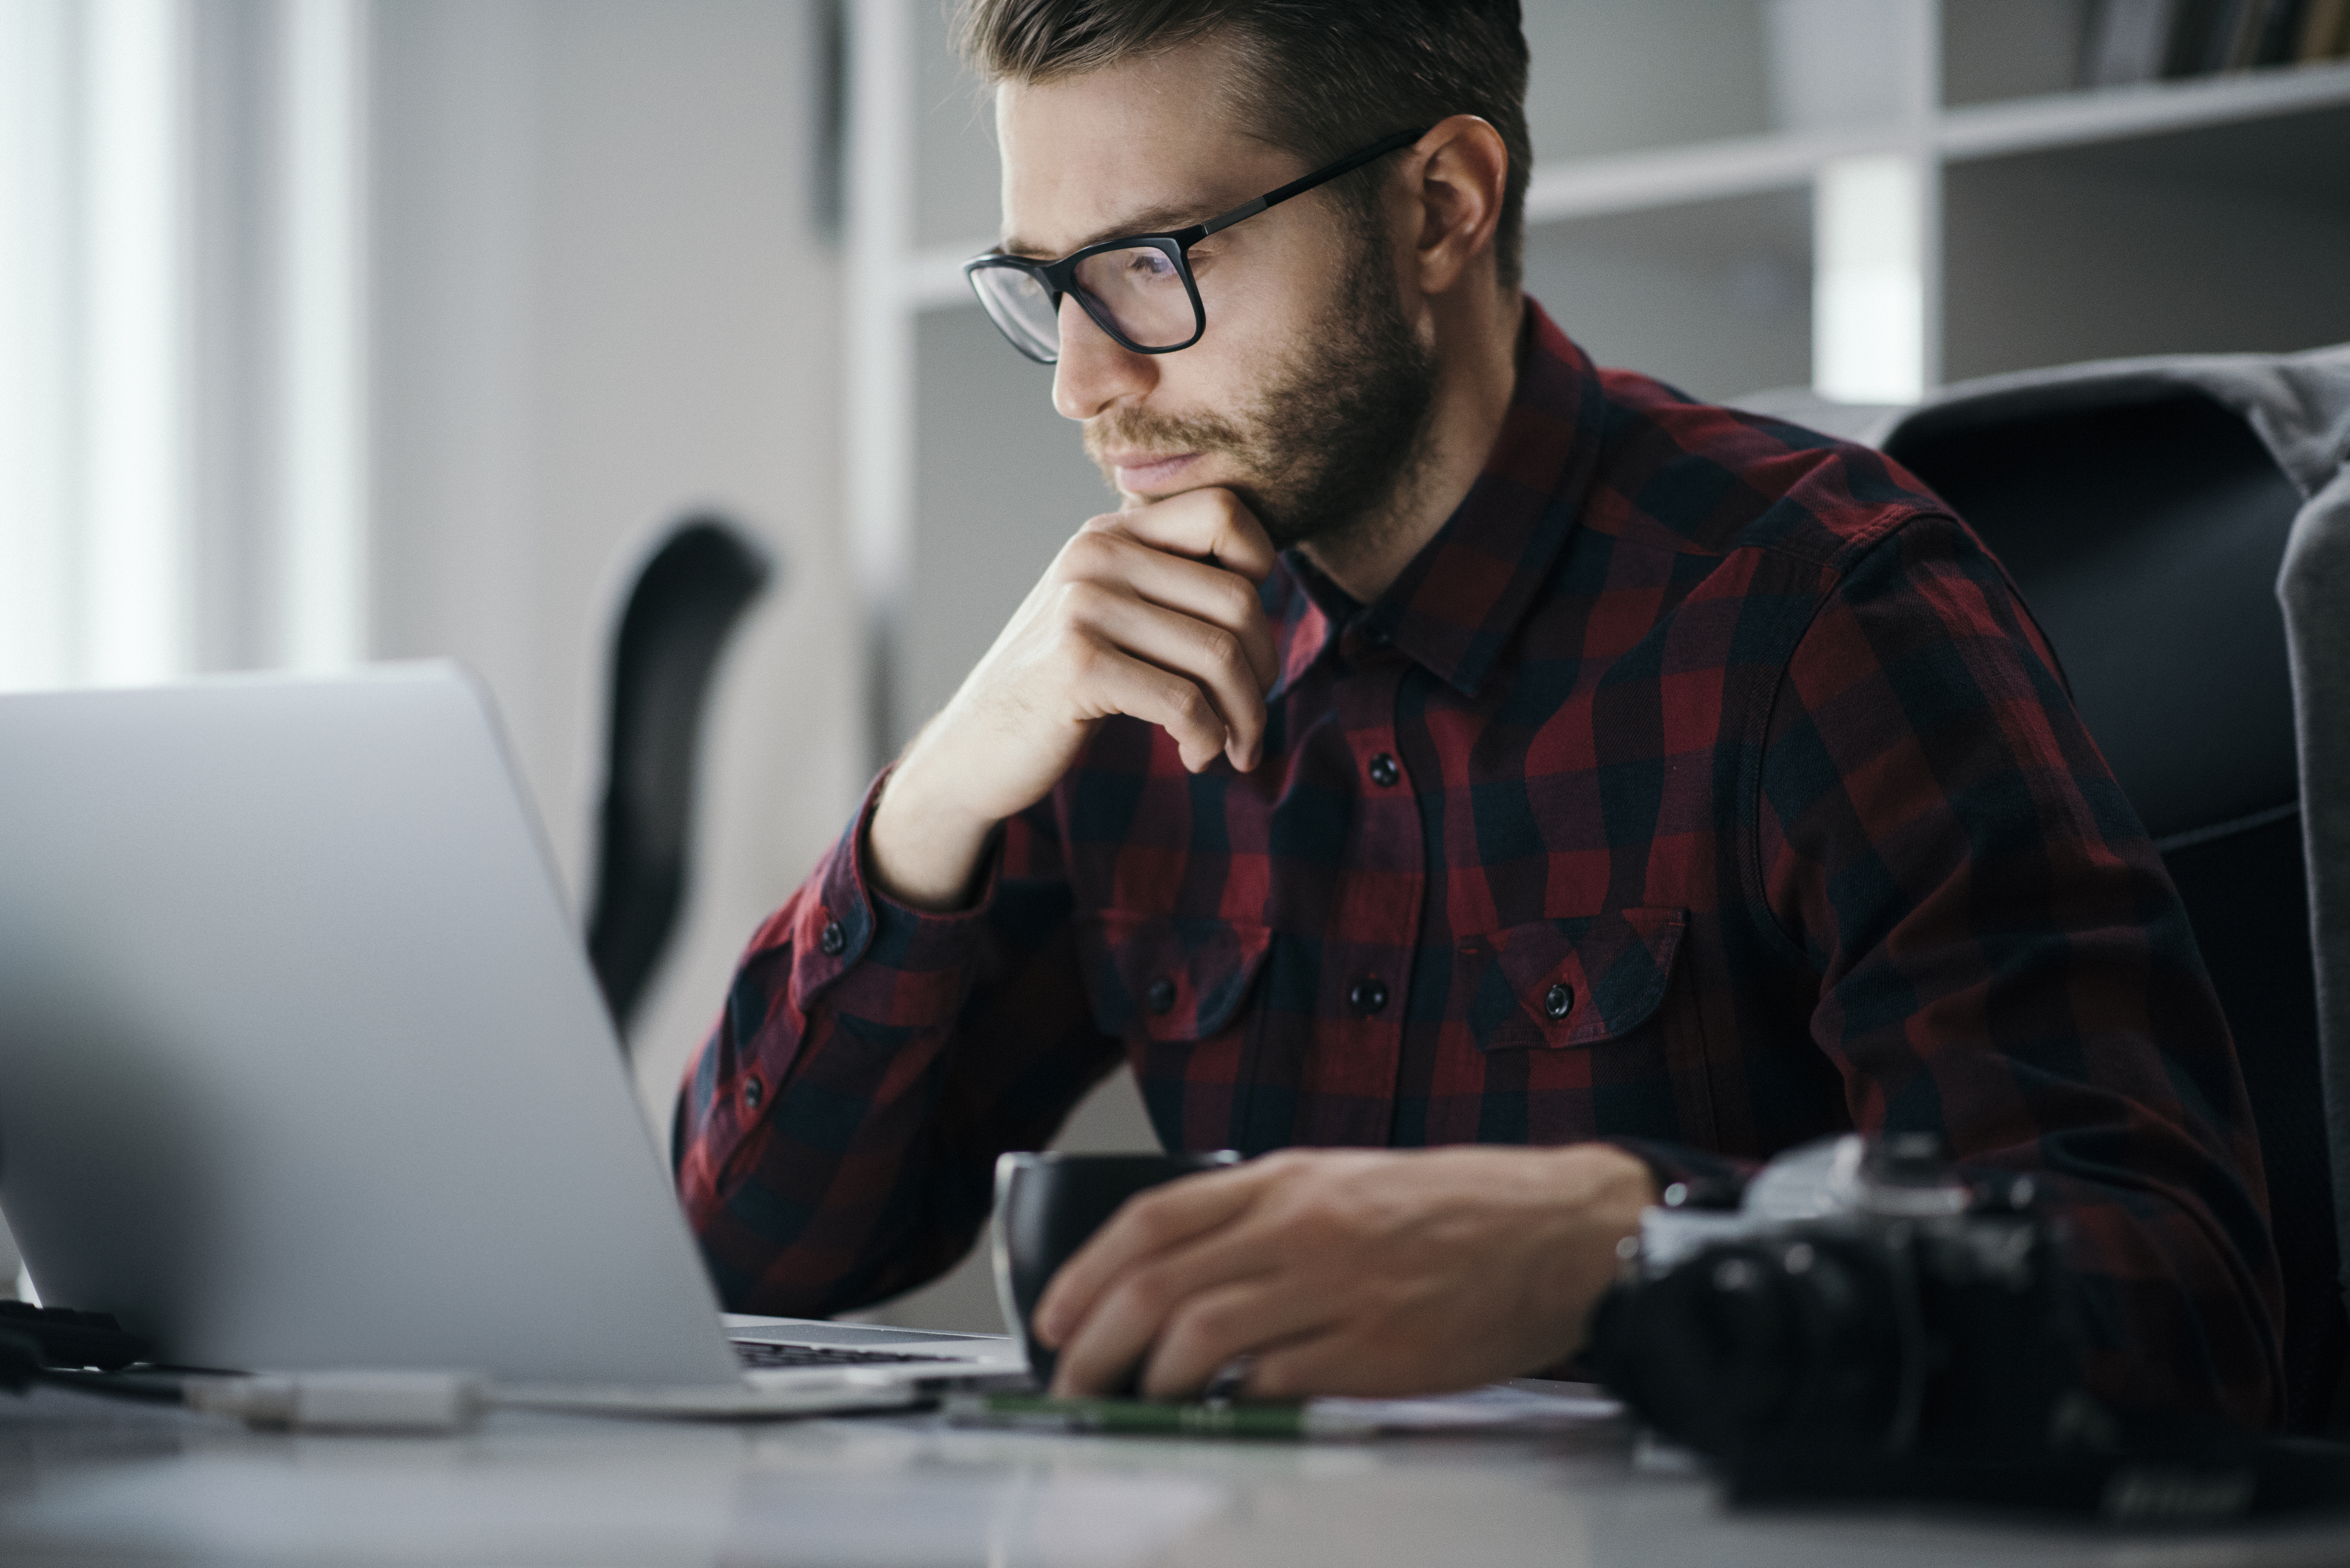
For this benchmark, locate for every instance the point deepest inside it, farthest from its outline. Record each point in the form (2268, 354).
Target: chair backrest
(675, 621)
(2315, 589)
(2145, 520)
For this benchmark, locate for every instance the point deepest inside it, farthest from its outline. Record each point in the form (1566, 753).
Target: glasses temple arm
(1298, 187)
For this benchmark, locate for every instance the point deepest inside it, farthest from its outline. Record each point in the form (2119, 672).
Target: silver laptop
(302, 1064)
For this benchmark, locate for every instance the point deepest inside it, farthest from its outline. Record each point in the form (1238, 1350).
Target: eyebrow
(1149, 220)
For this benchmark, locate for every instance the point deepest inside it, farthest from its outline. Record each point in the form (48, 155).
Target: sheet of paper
(1521, 1406)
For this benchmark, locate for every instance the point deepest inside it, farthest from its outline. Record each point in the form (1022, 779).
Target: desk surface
(86, 1484)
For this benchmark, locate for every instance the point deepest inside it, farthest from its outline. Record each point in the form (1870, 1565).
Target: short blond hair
(1319, 77)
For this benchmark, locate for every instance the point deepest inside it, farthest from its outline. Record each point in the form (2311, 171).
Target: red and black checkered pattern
(1703, 785)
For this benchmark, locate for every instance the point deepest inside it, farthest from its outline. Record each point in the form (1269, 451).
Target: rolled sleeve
(872, 958)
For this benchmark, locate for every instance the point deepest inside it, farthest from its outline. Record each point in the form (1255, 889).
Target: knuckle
(1081, 601)
(1148, 1218)
(1096, 552)
(1221, 649)
(1070, 561)
(1205, 1328)
(1318, 1220)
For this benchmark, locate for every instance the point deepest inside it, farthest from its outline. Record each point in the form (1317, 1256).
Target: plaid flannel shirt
(1703, 785)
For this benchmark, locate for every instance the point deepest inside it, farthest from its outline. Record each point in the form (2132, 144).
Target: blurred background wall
(338, 331)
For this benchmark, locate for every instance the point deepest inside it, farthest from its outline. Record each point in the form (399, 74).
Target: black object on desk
(1045, 1207)
(64, 1337)
(1870, 1326)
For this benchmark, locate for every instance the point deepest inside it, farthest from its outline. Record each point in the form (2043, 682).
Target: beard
(1334, 439)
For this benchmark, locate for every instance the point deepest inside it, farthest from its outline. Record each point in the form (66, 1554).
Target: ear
(1460, 172)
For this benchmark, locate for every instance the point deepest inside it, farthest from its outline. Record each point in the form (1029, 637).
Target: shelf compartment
(2223, 238)
(1610, 78)
(2148, 109)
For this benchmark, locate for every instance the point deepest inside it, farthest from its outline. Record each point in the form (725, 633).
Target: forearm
(839, 1126)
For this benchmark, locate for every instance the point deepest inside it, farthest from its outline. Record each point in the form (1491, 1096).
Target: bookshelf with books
(2198, 200)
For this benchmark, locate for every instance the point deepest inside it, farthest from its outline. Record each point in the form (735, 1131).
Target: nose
(1094, 370)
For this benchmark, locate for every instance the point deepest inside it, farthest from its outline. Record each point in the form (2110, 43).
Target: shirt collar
(1454, 606)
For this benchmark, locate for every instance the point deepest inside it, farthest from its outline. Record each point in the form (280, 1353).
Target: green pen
(1151, 1417)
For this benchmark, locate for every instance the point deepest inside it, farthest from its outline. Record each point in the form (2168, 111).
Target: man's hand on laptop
(1151, 612)
(1348, 1272)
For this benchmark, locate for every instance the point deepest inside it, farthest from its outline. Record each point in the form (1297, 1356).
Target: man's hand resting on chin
(1348, 1272)
(1150, 612)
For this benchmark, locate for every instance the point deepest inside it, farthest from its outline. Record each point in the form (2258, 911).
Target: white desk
(83, 1483)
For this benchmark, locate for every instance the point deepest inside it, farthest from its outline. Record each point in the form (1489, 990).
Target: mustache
(1135, 430)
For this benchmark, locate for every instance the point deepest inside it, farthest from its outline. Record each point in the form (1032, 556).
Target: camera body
(1863, 1300)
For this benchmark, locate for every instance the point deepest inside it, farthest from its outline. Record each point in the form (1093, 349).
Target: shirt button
(1161, 997)
(1559, 1000)
(753, 1092)
(1368, 995)
(1384, 772)
(832, 940)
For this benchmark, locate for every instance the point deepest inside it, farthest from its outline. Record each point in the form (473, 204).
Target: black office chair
(2315, 589)
(685, 602)
(2145, 520)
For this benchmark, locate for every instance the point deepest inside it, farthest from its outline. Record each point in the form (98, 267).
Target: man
(1504, 785)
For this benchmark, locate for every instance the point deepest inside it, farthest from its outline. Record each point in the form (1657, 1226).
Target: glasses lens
(1023, 307)
(1142, 290)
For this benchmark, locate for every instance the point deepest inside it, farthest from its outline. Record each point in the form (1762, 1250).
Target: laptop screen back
(301, 1064)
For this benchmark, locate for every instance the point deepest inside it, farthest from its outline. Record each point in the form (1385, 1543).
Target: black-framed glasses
(1138, 288)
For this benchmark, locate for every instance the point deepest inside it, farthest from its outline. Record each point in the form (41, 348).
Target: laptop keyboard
(761, 1353)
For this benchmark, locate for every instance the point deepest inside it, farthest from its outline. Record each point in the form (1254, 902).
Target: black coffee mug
(1047, 1205)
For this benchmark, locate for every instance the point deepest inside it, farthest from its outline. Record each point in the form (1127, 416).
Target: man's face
(1309, 389)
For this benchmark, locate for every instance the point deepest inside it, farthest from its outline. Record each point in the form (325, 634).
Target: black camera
(1867, 1324)
(1862, 1297)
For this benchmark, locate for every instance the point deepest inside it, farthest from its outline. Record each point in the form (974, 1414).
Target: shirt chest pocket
(1168, 980)
(1562, 984)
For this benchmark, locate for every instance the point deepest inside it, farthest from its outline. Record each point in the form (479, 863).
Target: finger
(1113, 680)
(1206, 523)
(1148, 1223)
(1206, 654)
(1326, 1359)
(1335, 1358)
(1195, 588)
(1214, 1325)
(1137, 1309)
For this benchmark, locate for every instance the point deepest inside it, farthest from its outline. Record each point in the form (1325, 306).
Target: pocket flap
(1554, 984)
(1166, 977)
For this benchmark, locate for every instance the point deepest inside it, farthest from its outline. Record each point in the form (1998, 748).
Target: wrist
(1601, 1191)
(921, 849)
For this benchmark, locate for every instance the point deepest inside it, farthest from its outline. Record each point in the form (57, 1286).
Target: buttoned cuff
(871, 957)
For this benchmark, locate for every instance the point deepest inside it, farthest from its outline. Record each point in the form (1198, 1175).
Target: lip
(1140, 474)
